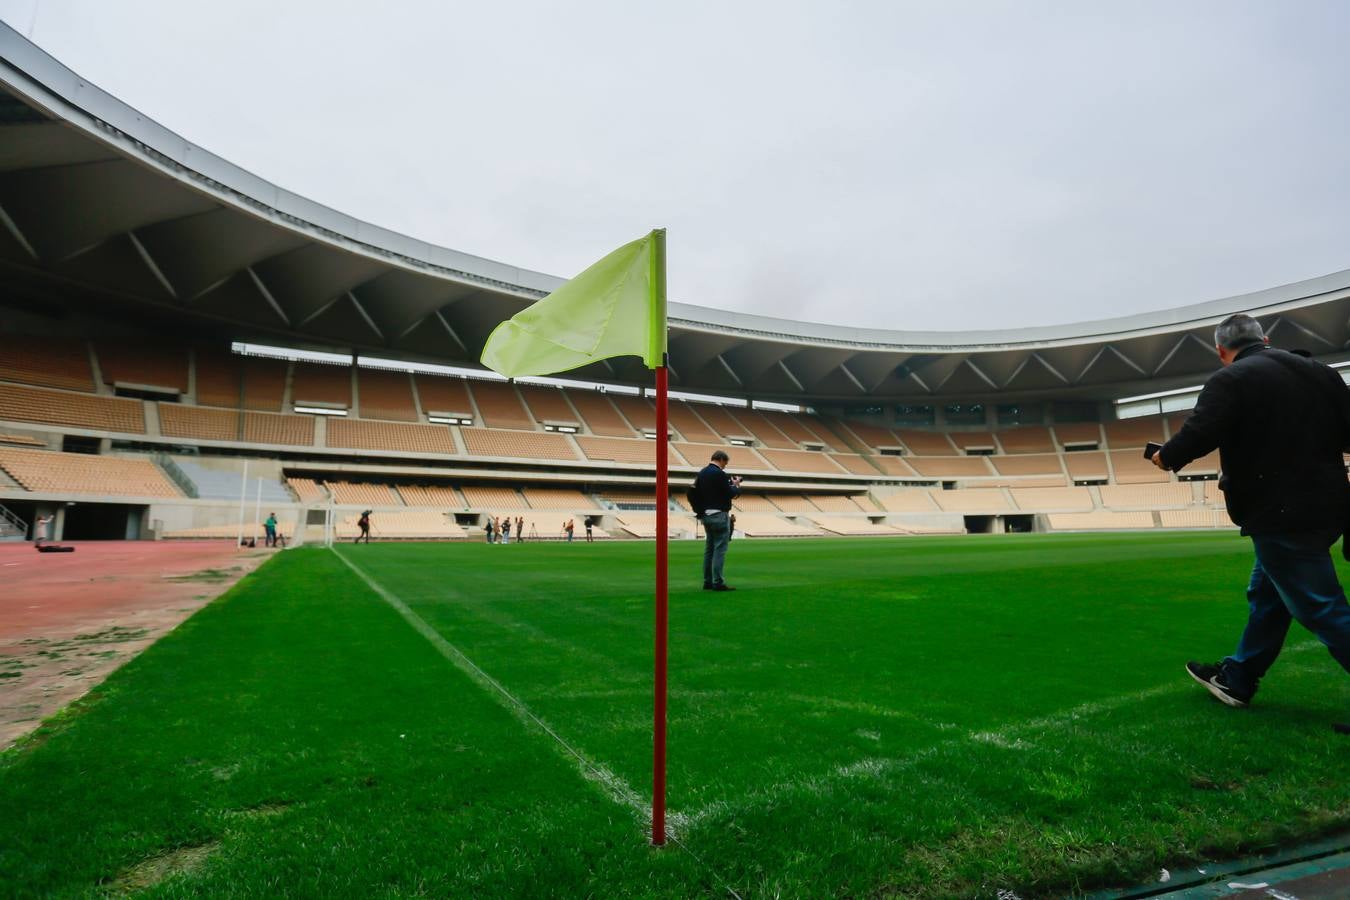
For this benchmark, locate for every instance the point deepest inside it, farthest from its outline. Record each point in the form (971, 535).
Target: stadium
(186, 349)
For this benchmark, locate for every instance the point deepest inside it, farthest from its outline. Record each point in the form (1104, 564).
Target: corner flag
(614, 308)
(617, 307)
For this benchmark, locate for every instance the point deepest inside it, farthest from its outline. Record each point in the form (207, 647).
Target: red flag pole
(662, 589)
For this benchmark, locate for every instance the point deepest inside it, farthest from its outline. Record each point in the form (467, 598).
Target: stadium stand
(865, 435)
(1213, 496)
(443, 395)
(21, 440)
(161, 365)
(1026, 439)
(742, 458)
(753, 503)
(908, 501)
(230, 531)
(972, 501)
(840, 504)
(323, 383)
(800, 461)
(547, 404)
(796, 429)
(951, 466)
(686, 421)
(1078, 433)
(1134, 432)
(271, 428)
(634, 498)
(1130, 467)
(356, 434)
(199, 423)
(441, 496)
(793, 503)
(893, 465)
(849, 525)
(491, 497)
(1099, 520)
(1043, 499)
(362, 493)
(755, 524)
(1086, 465)
(404, 524)
(1144, 496)
(386, 394)
(642, 524)
(625, 450)
(500, 406)
(46, 361)
(81, 473)
(47, 407)
(1195, 518)
(764, 431)
(1207, 464)
(1028, 464)
(518, 444)
(599, 415)
(973, 440)
(557, 498)
(722, 421)
(927, 443)
(854, 463)
(219, 484)
(308, 490)
(248, 382)
(637, 410)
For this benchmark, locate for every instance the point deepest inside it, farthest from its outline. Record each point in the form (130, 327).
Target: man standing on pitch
(714, 490)
(1280, 422)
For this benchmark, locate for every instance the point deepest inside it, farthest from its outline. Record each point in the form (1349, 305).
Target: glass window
(912, 416)
(1020, 414)
(964, 413)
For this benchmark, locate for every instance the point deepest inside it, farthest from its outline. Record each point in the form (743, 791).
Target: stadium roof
(102, 208)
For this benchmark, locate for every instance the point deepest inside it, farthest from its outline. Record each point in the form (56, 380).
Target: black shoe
(1213, 679)
(723, 587)
(707, 586)
(1341, 728)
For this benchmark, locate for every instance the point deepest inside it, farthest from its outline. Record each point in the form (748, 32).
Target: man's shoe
(1341, 728)
(707, 586)
(1213, 679)
(723, 587)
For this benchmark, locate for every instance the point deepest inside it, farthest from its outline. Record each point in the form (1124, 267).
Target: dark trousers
(718, 530)
(1293, 579)
(365, 533)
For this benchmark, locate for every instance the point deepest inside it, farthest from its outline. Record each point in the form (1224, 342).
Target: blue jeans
(718, 530)
(1293, 579)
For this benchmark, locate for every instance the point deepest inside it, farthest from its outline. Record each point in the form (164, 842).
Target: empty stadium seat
(1086, 465)
(1134, 432)
(625, 450)
(357, 434)
(386, 394)
(1078, 433)
(158, 364)
(271, 428)
(492, 497)
(557, 498)
(247, 382)
(800, 461)
(548, 404)
(362, 493)
(46, 361)
(685, 420)
(1099, 520)
(910, 500)
(801, 429)
(200, 423)
(322, 383)
(852, 525)
(1043, 499)
(500, 405)
(600, 416)
(1130, 467)
(1028, 464)
(443, 395)
(1026, 439)
(873, 436)
(1144, 496)
(308, 490)
(517, 444)
(972, 501)
(927, 443)
(80, 473)
(48, 407)
(951, 466)
(855, 464)
(637, 410)
(742, 458)
(763, 430)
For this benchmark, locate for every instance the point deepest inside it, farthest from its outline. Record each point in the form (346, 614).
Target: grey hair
(1238, 331)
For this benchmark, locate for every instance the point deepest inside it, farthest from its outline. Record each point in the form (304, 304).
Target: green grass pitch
(915, 717)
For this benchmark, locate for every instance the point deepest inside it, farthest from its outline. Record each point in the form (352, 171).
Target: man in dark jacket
(714, 490)
(1280, 422)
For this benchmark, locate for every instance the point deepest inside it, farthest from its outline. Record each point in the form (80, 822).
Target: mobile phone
(1151, 448)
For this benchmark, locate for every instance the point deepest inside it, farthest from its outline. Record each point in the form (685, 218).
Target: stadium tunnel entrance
(103, 522)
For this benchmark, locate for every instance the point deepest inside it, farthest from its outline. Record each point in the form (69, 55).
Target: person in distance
(713, 492)
(1280, 422)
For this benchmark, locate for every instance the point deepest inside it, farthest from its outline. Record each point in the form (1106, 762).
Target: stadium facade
(133, 260)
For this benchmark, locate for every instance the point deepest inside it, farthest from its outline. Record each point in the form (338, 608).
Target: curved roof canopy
(104, 208)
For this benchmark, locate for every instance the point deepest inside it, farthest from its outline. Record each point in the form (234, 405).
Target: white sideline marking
(611, 784)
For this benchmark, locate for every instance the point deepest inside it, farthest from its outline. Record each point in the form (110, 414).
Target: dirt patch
(69, 621)
(261, 811)
(150, 872)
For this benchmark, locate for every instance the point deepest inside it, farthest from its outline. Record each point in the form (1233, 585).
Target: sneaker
(1213, 679)
(723, 587)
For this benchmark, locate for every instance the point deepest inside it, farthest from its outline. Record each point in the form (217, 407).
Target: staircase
(12, 528)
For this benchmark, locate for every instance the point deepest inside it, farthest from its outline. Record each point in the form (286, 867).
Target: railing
(176, 474)
(11, 526)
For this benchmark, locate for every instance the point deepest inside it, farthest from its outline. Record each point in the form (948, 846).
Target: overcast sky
(936, 165)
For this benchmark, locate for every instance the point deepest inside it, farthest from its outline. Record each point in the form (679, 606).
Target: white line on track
(611, 784)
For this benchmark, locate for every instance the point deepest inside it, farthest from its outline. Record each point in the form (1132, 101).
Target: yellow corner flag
(617, 307)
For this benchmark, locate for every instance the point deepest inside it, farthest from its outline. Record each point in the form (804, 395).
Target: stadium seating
(222, 376)
(308, 490)
(440, 496)
(271, 428)
(386, 394)
(357, 434)
(362, 493)
(200, 423)
(1086, 465)
(765, 431)
(547, 404)
(1026, 439)
(1078, 433)
(160, 364)
(801, 430)
(517, 444)
(443, 395)
(758, 524)
(408, 524)
(21, 440)
(500, 405)
(1134, 432)
(328, 384)
(1195, 518)
(636, 498)
(742, 458)
(908, 500)
(1213, 496)
(637, 410)
(46, 361)
(230, 531)
(1043, 499)
(625, 450)
(557, 498)
(973, 440)
(599, 415)
(854, 463)
(893, 465)
(1028, 464)
(851, 525)
(47, 407)
(840, 504)
(1144, 496)
(948, 467)
(493, 498)
(690, 426)
(800, 461)
(1099, 520)
(81, 473)
(793, 503)
(927, 443)
(1130, 467)
(973, 501)
(872, 436)
(223, 484)
(753, 503)
(721, 420)
(642, 524)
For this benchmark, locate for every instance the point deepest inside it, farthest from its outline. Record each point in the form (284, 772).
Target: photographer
(1280, 422)
(714, 490)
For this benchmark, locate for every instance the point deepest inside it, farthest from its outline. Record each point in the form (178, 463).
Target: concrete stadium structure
(114, 230)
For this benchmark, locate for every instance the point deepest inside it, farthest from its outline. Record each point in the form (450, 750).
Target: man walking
(364, 524)
(270, 530)
(714, 490)
(1280, 422)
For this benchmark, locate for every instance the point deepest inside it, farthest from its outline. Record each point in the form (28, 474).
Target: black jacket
(1280, 422)
(714, 488)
